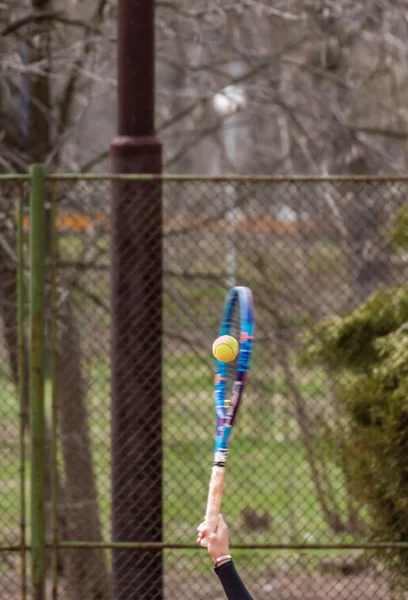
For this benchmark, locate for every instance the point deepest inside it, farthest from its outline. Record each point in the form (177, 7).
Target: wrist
(222, 559)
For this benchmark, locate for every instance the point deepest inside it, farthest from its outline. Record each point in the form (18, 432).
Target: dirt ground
(277, 586)
(301, 587)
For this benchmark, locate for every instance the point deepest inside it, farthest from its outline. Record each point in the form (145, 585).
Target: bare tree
(332, 72)
(47, 123)
(323, 81)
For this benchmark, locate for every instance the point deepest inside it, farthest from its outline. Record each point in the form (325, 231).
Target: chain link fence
(13, 390)
(310, 250)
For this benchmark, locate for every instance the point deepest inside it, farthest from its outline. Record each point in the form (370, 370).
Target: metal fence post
(22, 386)
(54, 409)
(36, 375)
(136, 313)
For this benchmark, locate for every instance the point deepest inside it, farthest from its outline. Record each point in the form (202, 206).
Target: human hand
(218, 544)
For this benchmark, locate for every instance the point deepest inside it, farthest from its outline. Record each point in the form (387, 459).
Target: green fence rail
(311, 249)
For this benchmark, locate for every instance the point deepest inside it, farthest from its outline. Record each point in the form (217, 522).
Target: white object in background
(228, 103)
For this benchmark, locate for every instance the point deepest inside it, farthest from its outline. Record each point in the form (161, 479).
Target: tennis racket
(229, 383)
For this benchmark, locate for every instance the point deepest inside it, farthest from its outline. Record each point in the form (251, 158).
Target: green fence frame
(21, 386)
(43, 248)
(37, 376)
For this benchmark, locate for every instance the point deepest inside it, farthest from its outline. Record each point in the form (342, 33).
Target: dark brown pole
(136, 313)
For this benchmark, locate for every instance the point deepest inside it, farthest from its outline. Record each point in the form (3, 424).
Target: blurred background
(318, 468)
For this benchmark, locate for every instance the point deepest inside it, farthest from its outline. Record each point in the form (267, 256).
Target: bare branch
(46, 15)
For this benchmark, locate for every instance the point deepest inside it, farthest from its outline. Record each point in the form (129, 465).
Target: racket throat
(220, 457)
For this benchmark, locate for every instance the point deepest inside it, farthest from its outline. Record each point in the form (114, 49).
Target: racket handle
(214, 501)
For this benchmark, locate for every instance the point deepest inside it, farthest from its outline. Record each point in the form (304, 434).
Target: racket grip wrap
(214, 501)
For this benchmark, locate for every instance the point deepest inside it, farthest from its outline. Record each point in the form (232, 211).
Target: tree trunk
(86, 570)
(317, 464)
(8, 310)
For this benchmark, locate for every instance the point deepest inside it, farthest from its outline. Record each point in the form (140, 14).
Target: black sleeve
(232, 582)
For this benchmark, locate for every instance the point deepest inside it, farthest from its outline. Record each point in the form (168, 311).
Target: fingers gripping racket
(229, 383)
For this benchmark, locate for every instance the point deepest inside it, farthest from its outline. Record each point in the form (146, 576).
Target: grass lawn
(267, 468)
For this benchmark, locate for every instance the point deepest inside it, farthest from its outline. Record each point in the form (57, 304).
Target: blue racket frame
(225, 416)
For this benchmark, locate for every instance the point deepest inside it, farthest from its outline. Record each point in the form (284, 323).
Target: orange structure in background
(75, 222)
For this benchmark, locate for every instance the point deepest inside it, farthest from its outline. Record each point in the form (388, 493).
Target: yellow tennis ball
(225, 348)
